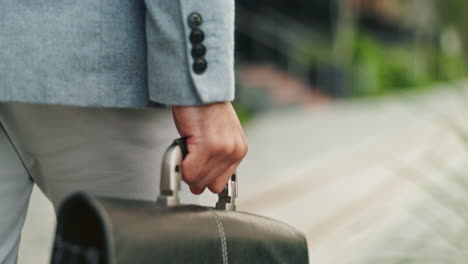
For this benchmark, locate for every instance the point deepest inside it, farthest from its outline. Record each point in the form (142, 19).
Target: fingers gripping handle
(171, 177)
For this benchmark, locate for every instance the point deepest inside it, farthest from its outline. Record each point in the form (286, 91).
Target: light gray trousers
(63, 149)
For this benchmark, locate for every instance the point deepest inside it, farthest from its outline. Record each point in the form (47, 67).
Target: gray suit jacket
(117, 53)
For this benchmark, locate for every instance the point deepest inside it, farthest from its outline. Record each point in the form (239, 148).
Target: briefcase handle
(171, 178)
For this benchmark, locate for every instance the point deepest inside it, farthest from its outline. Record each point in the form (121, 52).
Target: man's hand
(216, 144)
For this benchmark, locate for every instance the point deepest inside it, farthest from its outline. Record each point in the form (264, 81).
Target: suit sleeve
(190, 51)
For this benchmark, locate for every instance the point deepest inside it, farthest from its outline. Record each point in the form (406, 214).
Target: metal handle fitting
(227, 198)
(171, 177)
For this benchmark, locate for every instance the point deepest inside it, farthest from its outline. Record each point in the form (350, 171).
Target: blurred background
(356, 116)
(307, 52)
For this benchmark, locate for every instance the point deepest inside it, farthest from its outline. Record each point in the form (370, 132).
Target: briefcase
(102, 230)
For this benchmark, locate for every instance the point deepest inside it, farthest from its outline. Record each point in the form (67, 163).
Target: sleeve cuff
(190, 51)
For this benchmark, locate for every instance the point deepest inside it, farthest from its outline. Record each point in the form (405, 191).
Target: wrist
(201, 105)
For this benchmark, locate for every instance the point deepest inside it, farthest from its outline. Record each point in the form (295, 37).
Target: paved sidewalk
(368, 182)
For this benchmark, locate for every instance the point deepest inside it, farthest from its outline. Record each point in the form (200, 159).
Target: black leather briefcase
(98, 230)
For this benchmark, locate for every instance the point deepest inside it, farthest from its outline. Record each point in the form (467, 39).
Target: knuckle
(214, 146)
(218, 185)
(189, 178)
(197, 190)
(221, 147)
(188, 175)
(237, 155)
(240, 152)
(216, 188)
(230, 148)
(233, 149)
(191, 169)
(246, 145)
(199, 187)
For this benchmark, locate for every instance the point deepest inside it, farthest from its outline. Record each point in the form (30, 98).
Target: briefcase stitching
(222, 236)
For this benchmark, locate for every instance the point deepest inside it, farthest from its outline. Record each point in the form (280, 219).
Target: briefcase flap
(118, 231)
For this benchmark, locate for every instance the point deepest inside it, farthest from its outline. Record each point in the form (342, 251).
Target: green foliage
(380, 68)
(452, 13)
(451, 67)
(244, 113)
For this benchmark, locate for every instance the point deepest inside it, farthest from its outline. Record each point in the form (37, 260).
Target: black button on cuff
(195, 20)
(197, 36)
(198, 51)
(200, 66)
